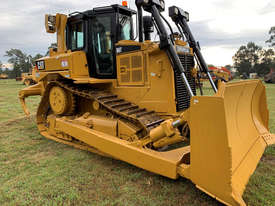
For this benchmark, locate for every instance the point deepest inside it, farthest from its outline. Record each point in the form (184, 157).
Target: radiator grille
(125, 77)
(136, 61)
(182, 96)
(125, 62)
(136, 75)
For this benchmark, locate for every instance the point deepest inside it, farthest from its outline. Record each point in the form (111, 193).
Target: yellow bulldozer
(3, 76)
(135, 100)
(30, 78)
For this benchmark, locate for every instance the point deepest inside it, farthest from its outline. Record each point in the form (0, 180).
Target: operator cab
(96, 32)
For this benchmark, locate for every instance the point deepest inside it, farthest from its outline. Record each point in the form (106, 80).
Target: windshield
(125, 27)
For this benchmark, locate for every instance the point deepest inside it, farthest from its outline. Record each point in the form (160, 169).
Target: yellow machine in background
(30, 78)
(270, 77)
(136, 101)
(26, 78)
(219, 74)
(3, 76)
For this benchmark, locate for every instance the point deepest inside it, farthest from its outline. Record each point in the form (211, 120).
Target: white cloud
(218, 55)
(221, 26)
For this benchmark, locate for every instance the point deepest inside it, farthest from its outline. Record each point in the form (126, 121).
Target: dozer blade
(229, 133)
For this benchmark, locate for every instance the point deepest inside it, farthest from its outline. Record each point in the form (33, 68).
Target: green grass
(9, 103)
(37, 171)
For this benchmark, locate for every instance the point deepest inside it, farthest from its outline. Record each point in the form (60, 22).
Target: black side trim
(128, 48)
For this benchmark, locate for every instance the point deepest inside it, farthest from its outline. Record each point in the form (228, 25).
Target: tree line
(22, 62)
(252, 58)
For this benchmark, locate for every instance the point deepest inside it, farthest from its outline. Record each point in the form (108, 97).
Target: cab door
(103, 58)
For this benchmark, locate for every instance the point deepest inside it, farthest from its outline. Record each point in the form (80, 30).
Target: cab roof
(116, 8)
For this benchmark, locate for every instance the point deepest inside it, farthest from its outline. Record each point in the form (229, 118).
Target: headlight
(176, 10)
(186, 16)
(162, 3)
(182, 49)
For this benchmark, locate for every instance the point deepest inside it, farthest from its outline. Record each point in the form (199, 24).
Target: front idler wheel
(61, 101)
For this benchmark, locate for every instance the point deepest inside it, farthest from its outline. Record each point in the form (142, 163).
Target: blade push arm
(181, 18)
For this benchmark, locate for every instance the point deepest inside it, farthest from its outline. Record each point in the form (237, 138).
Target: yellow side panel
(74, 62)
(80, 66)
(156, 89)
(58, 62)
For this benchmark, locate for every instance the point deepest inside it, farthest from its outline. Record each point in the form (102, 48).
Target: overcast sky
(221, 26)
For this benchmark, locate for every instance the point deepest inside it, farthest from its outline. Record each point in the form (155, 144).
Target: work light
(175, 12)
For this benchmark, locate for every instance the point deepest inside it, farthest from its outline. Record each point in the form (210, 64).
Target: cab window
(77, 36)
(125, 25)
